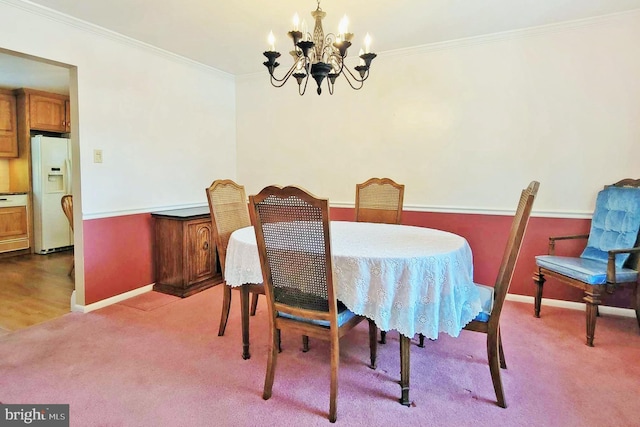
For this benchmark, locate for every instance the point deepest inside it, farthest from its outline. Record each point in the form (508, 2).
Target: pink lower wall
(118, 253)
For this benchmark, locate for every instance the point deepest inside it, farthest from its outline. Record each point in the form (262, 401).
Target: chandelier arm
(304, 89)
(330, 86)
(354, 78)
(284, 79)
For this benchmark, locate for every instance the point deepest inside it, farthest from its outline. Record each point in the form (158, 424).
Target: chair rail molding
(479, 211)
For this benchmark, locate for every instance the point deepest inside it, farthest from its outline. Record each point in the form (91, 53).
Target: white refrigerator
(51, 166)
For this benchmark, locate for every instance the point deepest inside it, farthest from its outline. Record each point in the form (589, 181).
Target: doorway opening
(36, 288)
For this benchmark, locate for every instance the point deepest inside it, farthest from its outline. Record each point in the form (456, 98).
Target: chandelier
(319, 56)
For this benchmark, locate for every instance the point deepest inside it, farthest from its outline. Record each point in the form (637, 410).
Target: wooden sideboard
(186, 261)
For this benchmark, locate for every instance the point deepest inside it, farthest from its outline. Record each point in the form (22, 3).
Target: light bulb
(272, 41)
(296, 22)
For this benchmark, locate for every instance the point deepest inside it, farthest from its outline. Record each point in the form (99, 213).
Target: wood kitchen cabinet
(8, 129)
(67, 115)
(49, 112)
(14, 231)
(185, 256)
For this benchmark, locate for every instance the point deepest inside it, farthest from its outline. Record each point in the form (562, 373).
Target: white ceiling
(231, 35)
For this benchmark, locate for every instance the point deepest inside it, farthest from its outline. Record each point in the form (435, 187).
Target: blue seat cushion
(615, 224)
(486, 299)
(583, 269)
(344, 315)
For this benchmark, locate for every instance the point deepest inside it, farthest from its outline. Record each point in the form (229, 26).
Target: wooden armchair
(67, 207)
(292, 232)
(610, 259)
(379, 200)
(229, 212)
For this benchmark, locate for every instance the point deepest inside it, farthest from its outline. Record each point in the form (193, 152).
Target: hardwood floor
(34, 289)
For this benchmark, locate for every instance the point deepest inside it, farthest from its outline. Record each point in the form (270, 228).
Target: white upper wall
(464, 125)
(166, 125)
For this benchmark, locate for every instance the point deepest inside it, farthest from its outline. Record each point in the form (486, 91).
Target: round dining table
(414, 280)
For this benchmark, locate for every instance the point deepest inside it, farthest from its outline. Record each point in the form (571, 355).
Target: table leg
(405, 347)
(244, 309)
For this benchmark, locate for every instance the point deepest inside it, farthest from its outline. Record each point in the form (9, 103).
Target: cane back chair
(292, 232)
(229, 212)
(379, 200)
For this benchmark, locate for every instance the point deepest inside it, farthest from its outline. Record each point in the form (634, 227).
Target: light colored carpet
(123, 366)
(149, 301)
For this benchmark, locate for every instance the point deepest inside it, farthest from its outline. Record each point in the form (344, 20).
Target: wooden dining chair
(610, 259)
(379, 200)
(229, 212)
(292, 233)
(67, 207)
(488, 321)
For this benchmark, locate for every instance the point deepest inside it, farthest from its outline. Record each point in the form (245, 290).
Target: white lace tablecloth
(409, 279)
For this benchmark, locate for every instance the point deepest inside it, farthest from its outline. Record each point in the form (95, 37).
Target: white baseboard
(106, 302)
(604, 309)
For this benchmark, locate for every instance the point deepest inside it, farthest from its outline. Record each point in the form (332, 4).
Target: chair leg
(405, 367)
(305, 343)
(538, 279)
(421, 340)
(503, 362)
(494, 366)
(254, 304)
(592, 298)
(244, 312)
(226, 305)
(591, 323)
(373, 343)
(272, 360)
(383, 337)
(638, 304)
(335, 364)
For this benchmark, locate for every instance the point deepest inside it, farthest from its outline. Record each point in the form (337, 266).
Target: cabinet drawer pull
(205, 246)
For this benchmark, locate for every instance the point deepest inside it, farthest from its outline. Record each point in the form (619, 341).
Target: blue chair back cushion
(615, 224)
(583, 269)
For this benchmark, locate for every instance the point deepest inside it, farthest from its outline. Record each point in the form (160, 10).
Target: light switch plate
(97, 156)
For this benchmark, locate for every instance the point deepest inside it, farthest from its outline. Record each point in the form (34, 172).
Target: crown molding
(490, 38)
(509, 35)
(70, 21)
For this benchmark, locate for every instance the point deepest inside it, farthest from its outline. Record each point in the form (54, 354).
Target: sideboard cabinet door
(201, 255)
